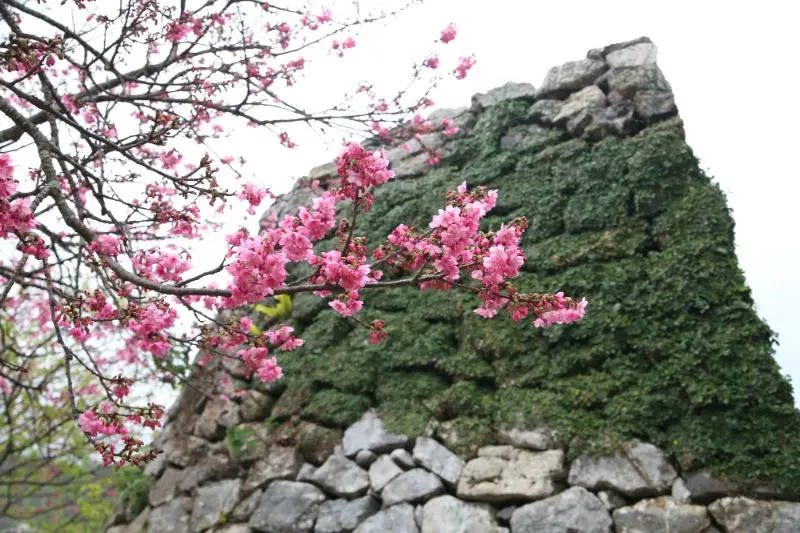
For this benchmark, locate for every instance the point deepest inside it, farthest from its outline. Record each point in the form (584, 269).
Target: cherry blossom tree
(109, 171)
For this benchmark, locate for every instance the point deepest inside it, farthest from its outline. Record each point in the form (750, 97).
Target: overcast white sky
(733, 69)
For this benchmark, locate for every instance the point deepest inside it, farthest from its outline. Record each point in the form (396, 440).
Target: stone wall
(663, 411)
(375, 481)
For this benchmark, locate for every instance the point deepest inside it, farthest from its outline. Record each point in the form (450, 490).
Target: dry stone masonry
(306, 457)
(370, 488)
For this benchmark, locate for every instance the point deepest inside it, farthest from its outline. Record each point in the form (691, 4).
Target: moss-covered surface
(671, 351)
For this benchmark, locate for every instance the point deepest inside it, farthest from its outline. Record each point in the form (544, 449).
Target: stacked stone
(617, 90)
(225, 469)
(374, 481)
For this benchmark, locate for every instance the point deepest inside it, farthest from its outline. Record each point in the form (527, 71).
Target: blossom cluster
(15, 215)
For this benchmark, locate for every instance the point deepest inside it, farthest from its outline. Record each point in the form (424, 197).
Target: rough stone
(255, 406)
(211, 467)
(611, 499)
(636, 55)
(165, 488)
(576, 510)
(217, 415)
(342, 477)
(705, 488)
(382, 471)
(530, 138)
(438, 459)
(403, 459)
(744, 515)
(544, 111)
(646, 87)
(395, 519)
(281, 462)
(680, 493)
(412, 486)
(570, 77)
(186, 450)
(250, 443)
(140, 524)
(170, 518)
(418, 515)
(461, 117)
(212, 502)
(232, 528)
(661, 515)
(535, 439)
(642, 471)
(601, 53)
(370, 434)
(365, 458)
(503, 473)
(155, 467)
(503, 516)
(406, 167)
(287, 507)
(245, 508)
(317, 443)
(322, 171)
(580, 109)
(509, 91)
(306, 472)
(342, 516)
(451, 515)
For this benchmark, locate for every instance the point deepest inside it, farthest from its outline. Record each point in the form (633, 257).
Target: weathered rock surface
(382, 471)
(705, 488)
(370, 434)
(646, 87)
(635, 55)
(446, 514)
(217, 415)
(661, 515)
(575, 510)
(172, 517)
(744, 515)
(342, 477)
(255, 405)
(165, 488)
(281, 462)
(438, 459)
(643, 470)
(245, 508)
(342, 516)
(395, 519)
(570, 77)
(412, 486)
(509, 91)
(209, 468)
(403, 459)
(504, 473)
(213, 502)
(580, 109)
(535, 439)
(287, 507)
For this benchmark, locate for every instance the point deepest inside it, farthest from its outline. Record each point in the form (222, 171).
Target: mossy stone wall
(671, 351)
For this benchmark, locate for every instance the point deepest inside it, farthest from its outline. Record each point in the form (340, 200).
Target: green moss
(335, 408)
(133, 487)
(464, 435)
(408, 386)
(405, 417)
(317, 443)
